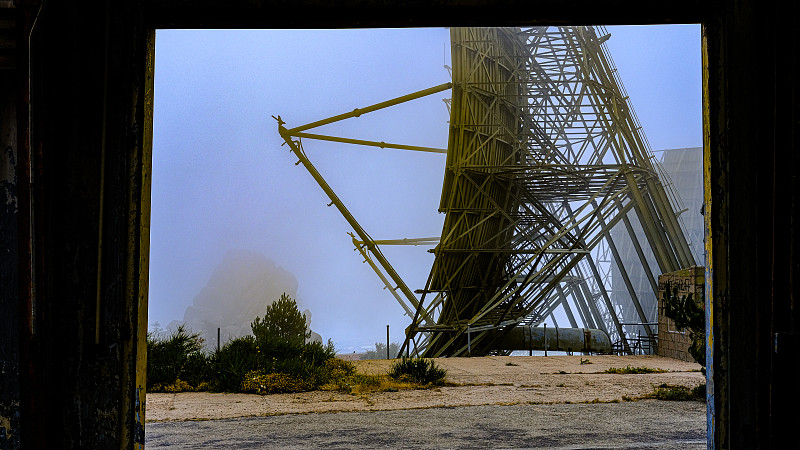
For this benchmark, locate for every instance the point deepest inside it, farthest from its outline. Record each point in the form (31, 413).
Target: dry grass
(632, 370)
(359, 383)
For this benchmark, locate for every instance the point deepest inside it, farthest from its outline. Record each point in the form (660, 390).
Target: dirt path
(501, 380)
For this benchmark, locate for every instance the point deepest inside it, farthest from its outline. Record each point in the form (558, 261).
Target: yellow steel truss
(545, 155)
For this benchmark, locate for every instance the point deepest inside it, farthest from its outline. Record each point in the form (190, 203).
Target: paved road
(647, 424)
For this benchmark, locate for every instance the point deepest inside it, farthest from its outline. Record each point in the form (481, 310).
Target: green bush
(232, 362)
(417, 370)
(338, 368)
(304, 361)
(198, 369)
(277, 360)
(177, 356)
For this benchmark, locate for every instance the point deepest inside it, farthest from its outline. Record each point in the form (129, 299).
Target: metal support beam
(381, 144)
(387, 284)
(360, 111)
(582, 302)
(567, 309)
(639, 252)
(628, 285)
(362, 234)
(602, 288)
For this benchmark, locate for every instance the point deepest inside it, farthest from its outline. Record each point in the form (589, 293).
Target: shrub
(232, 362)
(272, 362)
(417, 370)
(197, 371)
(177, 386)
(317, 354)
(633, 370)
(303, 361)
(360, 383)
(338, 368)
(258, 382)
(177, 356)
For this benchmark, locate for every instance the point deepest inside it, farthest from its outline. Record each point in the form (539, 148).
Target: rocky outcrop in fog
(239, 290)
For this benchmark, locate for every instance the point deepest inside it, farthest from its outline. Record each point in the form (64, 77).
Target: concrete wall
(674, 342)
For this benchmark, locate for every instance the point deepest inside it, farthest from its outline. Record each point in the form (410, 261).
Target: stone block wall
(674, 342)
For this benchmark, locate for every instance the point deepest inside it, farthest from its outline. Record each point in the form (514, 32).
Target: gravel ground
(646, 424)
(493, 402)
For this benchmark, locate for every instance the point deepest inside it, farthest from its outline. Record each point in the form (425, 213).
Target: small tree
(282, 322)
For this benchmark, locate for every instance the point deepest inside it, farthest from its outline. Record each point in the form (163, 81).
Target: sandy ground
(500, 380)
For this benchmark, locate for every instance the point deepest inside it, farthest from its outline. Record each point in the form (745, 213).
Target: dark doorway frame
(84, 127)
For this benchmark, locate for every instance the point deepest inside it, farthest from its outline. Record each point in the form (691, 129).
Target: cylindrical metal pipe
(559, 339)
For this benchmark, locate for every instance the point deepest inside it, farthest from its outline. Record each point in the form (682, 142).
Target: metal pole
(387, 341)
(469, 341)
(217, 339)
(545, 339)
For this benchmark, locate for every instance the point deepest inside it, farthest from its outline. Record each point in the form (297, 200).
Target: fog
(239, 290)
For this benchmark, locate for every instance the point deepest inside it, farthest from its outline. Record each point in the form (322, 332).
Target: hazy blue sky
(221, 179)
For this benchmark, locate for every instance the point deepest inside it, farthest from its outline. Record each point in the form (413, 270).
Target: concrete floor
(644, 424)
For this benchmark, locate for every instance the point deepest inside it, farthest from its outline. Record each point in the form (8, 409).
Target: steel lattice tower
(545, 155)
